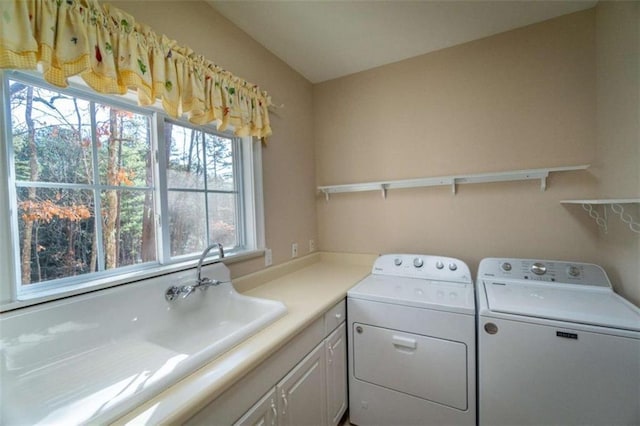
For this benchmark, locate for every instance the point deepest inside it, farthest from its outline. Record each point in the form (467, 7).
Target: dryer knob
(439, 265)
(417, 262)
(453, 266)
(538, 268)
(397, 261)
(573, 271)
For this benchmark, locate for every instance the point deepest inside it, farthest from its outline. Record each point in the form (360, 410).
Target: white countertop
(308, 286)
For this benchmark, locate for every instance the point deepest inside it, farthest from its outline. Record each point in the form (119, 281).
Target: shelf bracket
(603, 220)
(593, 214)
(617, 207)
(326, 196)
(454, 189)
(626, 218)
(543, 182)
(384, 187)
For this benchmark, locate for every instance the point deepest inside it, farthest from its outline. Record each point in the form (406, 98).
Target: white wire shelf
(513, 175)
(617, 207)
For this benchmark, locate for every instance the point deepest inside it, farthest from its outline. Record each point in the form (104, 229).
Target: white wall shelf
(617, 207)
(514, 175)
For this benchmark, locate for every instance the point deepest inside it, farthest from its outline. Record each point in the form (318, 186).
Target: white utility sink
(92, 358)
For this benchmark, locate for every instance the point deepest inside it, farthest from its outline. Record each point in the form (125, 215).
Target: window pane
(219, 162)
(51, 135)
(222, 219)
(124, 147)
(128, 228)
(187, 222)
(56, 233)
(185, 168)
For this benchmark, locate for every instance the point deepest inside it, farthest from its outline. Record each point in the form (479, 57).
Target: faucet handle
(172, 293)
(187, 290)
(207, 282)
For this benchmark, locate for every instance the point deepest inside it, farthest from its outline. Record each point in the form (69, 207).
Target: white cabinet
(263, 413)
(301, 394)
(297, 400)
(303, 383)
(336, 356)
(313, 393)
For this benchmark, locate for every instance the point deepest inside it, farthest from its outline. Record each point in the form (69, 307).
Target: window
(95, 192)
(202, 189)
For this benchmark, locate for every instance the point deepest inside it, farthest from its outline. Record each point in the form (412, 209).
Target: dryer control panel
(551, 271)
(422, 266)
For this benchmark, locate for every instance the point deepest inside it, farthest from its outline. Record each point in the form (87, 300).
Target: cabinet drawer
(334, 317)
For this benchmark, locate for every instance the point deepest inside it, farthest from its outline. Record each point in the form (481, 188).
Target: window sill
(127, 278)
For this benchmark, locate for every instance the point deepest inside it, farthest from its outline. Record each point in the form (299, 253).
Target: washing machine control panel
(422, 266)
(550, 271)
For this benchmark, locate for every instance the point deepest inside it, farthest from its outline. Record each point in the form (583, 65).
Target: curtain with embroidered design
(113, 53)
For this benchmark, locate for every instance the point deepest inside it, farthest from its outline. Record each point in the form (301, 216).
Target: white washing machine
(412, 343)
(556, 345)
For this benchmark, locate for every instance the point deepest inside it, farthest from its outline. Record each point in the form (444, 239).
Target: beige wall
(288, 160)
(618, 136)
(518, 100)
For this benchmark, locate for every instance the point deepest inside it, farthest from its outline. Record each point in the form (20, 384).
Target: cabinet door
(301, 394)
(336, 353)
(263, 413)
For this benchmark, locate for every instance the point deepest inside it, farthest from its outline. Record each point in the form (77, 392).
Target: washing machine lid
(419, 293)
(600, 307)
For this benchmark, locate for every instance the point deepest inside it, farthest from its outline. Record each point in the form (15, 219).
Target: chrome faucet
(202, 283)
(206, 281)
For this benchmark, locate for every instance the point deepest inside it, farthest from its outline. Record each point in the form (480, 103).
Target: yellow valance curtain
(112, 53)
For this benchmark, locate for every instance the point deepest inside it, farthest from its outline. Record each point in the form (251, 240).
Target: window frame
(249, 205)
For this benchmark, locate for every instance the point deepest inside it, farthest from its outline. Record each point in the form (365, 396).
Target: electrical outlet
(294, 250)
(312, 246)
(268, 257)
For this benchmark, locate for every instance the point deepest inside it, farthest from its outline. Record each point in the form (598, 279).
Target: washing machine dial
(573, 271)
(397, 261)
(418, 263)
(439, 265)
(506, 266)
(453, 266)
(538, 268)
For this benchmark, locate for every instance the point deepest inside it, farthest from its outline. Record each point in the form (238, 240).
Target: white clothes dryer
(411, 329)
(556, 346)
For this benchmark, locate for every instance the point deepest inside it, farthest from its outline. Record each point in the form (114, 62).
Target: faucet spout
(203, 255)
(202, 283)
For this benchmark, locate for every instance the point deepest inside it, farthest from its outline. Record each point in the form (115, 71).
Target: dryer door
(421, 366)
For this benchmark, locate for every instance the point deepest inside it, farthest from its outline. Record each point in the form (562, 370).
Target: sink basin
(92, 358)
(230, 317)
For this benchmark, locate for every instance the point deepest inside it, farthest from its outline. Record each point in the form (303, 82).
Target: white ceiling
(323, 39)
